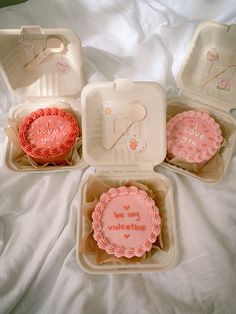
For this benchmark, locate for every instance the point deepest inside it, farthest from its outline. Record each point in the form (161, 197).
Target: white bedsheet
(143, 40)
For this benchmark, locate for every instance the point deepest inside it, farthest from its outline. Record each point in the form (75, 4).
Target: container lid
(209, 70)
(58, 75)
(107, 111)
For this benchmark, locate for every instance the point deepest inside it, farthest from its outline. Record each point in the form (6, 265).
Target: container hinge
(232, 29)
(123, 84)
(31, 30)
(124, 170)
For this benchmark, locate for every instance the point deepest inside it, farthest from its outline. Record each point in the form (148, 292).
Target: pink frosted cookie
(126, 222)
(47, 135)
(193, 136)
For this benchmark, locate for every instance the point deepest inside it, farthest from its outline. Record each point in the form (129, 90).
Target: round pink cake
(126, 222)
(193, 136)
(47, 135)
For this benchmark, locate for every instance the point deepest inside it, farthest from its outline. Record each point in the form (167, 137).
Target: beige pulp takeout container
(210, 52)
(119, 164)
(57, 81)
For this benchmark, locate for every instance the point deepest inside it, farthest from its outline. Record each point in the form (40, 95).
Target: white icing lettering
(193, 131)
(48, 132)
(189, 140)
(184, 139)
(192, 134)
(43, 140)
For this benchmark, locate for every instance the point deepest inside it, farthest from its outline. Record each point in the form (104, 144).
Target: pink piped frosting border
(200, 157)
(120, 251)
(47, 153)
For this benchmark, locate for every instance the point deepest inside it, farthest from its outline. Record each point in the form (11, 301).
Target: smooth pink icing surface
(49, 131)
(193, 136)
(126, 222)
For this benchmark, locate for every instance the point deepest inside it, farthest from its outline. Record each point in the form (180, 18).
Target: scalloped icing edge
(198, 158)
(45, 153)
(120, 251)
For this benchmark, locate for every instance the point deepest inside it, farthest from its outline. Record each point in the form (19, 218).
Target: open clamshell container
(206, 81)
(56, 81)
(121, 164)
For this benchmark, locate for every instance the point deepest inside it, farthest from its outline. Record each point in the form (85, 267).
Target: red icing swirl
(48, 154)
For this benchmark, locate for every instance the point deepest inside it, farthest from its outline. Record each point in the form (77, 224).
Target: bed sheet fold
(142, 40)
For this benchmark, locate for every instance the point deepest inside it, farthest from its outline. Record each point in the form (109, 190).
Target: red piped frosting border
(45, 153)
(200, 157)
(120, 251)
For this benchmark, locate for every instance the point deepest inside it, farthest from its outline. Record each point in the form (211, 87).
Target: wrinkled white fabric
(143, 40)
